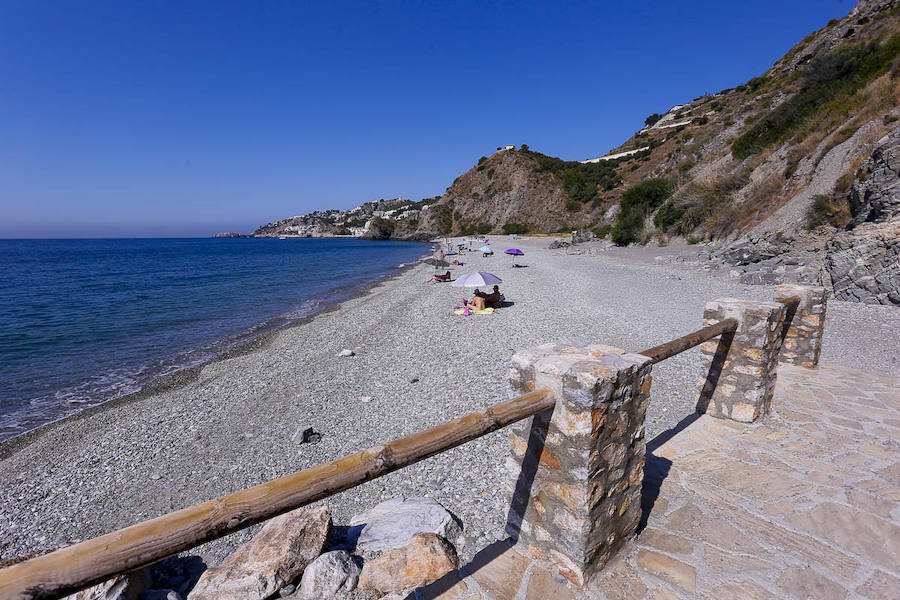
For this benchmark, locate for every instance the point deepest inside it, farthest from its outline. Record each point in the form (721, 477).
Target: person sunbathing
(440, 278)
(494, 298)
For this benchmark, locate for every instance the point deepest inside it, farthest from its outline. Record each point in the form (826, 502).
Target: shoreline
(234, 422)
(182, 376)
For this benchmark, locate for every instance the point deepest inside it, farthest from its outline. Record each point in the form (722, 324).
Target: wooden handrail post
(75, 567)
(804, 324)
(576, 473)
(740, 381)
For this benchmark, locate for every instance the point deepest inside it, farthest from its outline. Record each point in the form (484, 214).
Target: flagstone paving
(803, 504)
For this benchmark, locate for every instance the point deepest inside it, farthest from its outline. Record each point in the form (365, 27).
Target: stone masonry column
(802, 342)
(740, 381)
(576, 471)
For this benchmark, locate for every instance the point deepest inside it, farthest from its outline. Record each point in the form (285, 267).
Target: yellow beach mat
(486, 311)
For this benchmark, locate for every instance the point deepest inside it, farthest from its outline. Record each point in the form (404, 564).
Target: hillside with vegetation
(776, 166)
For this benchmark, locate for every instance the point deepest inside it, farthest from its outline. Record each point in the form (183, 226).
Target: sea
(85, 321)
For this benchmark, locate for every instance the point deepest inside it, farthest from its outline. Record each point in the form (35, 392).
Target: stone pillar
(740, 381)
(803, 327)
(576, 471)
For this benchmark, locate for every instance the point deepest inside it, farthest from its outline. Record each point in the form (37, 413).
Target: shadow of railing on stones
(715, 372)
(540, 423)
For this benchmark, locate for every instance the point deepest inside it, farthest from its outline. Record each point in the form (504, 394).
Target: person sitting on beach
(493, 299)
(477, 302)
(440, 278)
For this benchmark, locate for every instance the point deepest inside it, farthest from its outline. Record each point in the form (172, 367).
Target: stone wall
(576, 471)
(804, 324)
(740, 381)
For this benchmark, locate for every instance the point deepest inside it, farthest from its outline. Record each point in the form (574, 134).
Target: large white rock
(275, 557)
(394, 523)
(329, 574)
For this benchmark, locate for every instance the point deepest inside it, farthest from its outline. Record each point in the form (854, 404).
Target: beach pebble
(414, 380)
(346, 352)
(287, 590)
(311, 436)
(366, 399)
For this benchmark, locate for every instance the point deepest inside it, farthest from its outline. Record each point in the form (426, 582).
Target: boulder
(128, 586)
(393, 523)
(275, 557)
(425, 559)
(329, 574)
(875, 193)
(864, 264)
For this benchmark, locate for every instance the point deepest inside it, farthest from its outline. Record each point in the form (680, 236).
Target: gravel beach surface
(239, 422)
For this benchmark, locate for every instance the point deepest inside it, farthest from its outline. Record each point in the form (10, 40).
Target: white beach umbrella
(477, 279)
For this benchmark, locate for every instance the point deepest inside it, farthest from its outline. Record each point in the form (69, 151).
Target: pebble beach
(238, 421)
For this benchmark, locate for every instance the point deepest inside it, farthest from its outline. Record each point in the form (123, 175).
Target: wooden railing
(75, 567)
(686, 342)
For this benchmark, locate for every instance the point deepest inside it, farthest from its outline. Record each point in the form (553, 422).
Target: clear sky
(187, 118)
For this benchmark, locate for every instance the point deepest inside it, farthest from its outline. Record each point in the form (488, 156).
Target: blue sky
(186, 118)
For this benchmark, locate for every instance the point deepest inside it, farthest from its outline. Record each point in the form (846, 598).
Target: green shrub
(482, 159)
(828, 210)
(443, 218)
(601, 231)
(582, 182)
(636, 203)
(667, 215)
(700, 120)
(483, 228)
(692, 239)
(757, 82)
(573, 206)
(515, 228)
(888, 119)
(836, 74)
(649, 121)
(842, 185)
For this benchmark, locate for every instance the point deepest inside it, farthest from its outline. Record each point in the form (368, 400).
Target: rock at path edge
(275, 557)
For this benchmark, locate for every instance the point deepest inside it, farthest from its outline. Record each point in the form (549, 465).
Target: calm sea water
(85, 321)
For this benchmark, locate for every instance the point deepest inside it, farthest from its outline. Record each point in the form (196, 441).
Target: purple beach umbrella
(515, 252)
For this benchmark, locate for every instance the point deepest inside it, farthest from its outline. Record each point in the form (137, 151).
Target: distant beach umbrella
(477, 279)
(450, 253)
(515, 252)
(486, 250)
(436, 262)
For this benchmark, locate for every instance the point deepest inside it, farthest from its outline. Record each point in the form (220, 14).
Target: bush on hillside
(637, 202)
(515, 228)
(828, 77)
(828, 210)
(601, 231)
(582, 182)
(667, 216)
(649, 121)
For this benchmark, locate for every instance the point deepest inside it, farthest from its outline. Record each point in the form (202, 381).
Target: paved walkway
(804, 504)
